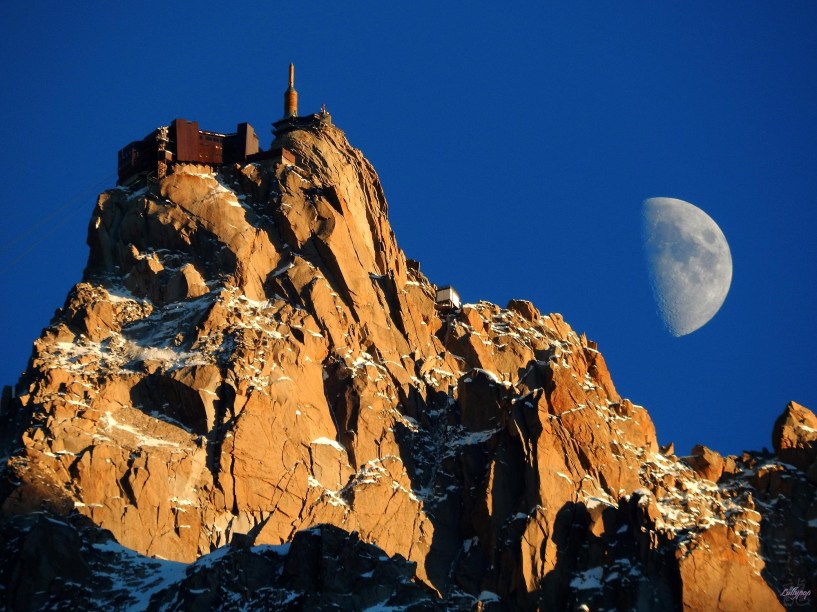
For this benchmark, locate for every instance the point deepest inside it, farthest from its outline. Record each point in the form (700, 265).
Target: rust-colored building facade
(183, 142)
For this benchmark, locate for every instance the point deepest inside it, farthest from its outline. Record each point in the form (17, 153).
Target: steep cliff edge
(250, 360)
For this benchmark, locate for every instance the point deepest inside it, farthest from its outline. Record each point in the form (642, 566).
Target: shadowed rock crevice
(161, 396)
(344, 404)
(223, 408)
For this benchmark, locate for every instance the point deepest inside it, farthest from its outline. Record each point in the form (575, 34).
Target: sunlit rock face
(250, 377)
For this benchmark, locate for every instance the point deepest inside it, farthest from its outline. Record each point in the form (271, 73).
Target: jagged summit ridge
(249, 356)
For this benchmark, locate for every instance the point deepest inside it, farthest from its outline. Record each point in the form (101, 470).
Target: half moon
(689, 263)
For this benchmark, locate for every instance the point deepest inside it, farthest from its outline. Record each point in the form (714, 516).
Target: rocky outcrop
(249, 369)
(794, 437)
(706, 462)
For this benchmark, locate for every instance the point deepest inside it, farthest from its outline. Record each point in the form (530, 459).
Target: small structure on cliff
(291, 120)
(156, 155)
(447, 299)
(183, 142)
(291, 96)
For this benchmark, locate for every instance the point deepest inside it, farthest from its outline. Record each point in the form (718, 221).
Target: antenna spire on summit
(291, 96)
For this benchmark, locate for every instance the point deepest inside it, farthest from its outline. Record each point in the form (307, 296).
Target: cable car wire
(51, 222)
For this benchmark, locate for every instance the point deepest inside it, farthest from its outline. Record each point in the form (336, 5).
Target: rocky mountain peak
(251, 379)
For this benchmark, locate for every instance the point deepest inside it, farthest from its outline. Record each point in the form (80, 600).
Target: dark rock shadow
(67, 562)
(466, 467)
(162, 397)
(568, 534)
(430, 469)
(787, 502)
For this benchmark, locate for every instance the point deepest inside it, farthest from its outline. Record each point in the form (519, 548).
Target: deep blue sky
(515, 145)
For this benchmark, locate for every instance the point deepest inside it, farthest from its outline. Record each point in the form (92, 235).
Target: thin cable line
(51, 220)
(69, 206)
